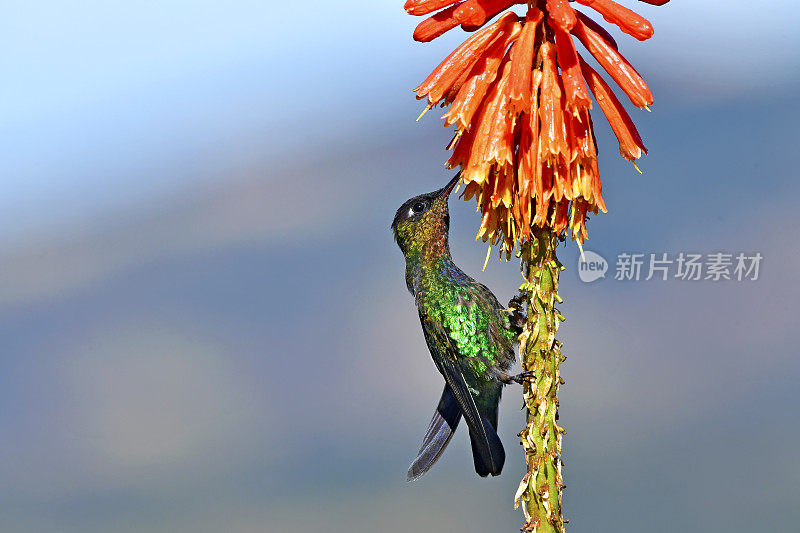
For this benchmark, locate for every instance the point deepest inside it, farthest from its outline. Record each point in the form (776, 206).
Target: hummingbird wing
(486, 442)
(502, 321)
(440, 431)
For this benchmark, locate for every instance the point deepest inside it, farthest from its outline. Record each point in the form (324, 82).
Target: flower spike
(518, 95)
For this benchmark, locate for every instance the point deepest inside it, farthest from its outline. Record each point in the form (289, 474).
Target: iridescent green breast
(473, 319)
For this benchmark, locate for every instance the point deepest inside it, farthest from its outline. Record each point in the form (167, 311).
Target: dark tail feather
(440, 431)
(494, 464)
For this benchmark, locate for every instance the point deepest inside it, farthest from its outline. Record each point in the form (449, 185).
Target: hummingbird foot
(516, 307)
(522, 377)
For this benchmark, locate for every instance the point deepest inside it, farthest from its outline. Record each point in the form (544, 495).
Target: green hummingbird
(469, 334)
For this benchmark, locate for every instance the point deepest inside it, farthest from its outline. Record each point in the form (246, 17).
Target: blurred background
(204, 325)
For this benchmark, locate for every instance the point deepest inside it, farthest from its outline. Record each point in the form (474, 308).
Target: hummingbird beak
(445, 192)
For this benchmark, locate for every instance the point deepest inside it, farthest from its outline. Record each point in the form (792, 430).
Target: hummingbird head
(422, 222)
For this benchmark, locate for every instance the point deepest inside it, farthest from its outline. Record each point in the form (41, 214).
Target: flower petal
(553, 136)
(436, 25)
(461, 59)
(578, 220)
(628, 21)
(475, 13)
(583, 167)
(542, 209)
(423, 7)
(577, 95)
(560, 14)
(529, 173)
(522, 52)
(473, 89)
(630, 143)
(612, 61)
(598, 28)
(500, 148)
(488, 135)
(560, 217)
(503, 188)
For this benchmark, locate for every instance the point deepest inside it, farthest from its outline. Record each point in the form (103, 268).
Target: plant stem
(540, 491)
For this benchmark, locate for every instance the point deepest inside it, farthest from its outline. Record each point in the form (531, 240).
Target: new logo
(591, 267)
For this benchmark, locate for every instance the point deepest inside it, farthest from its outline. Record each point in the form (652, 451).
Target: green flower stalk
(540, 491)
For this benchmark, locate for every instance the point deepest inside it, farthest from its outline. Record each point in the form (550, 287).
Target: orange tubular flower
(561, 15)
(574, 86)
(522, 62)
(628, 21)
(461, 60)
(472, 91)
(553, 147)
(597, 28)
(423, 7)
(630, 143)
(500, 149)
(432, 27)
(518, 97)
(612, 61)
(474, 13)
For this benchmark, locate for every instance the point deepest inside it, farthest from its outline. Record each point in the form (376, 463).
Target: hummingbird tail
(440, 431)
(493, 464)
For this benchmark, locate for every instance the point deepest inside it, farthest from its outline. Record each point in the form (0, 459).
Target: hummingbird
(469, 334)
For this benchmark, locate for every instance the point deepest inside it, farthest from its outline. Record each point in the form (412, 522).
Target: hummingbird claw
(516, 307)
(528, 376)
(520, 378)
(517, 302)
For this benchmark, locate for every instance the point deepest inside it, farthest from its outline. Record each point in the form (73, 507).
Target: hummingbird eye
(418, 207)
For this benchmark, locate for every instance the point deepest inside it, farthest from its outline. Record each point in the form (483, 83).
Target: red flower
(630, 143)
(522, 63)
(627, 20)
(431, 28)
(561, 15)
(423, 7)
(474, 13)
(612, 61)
(518, 97)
